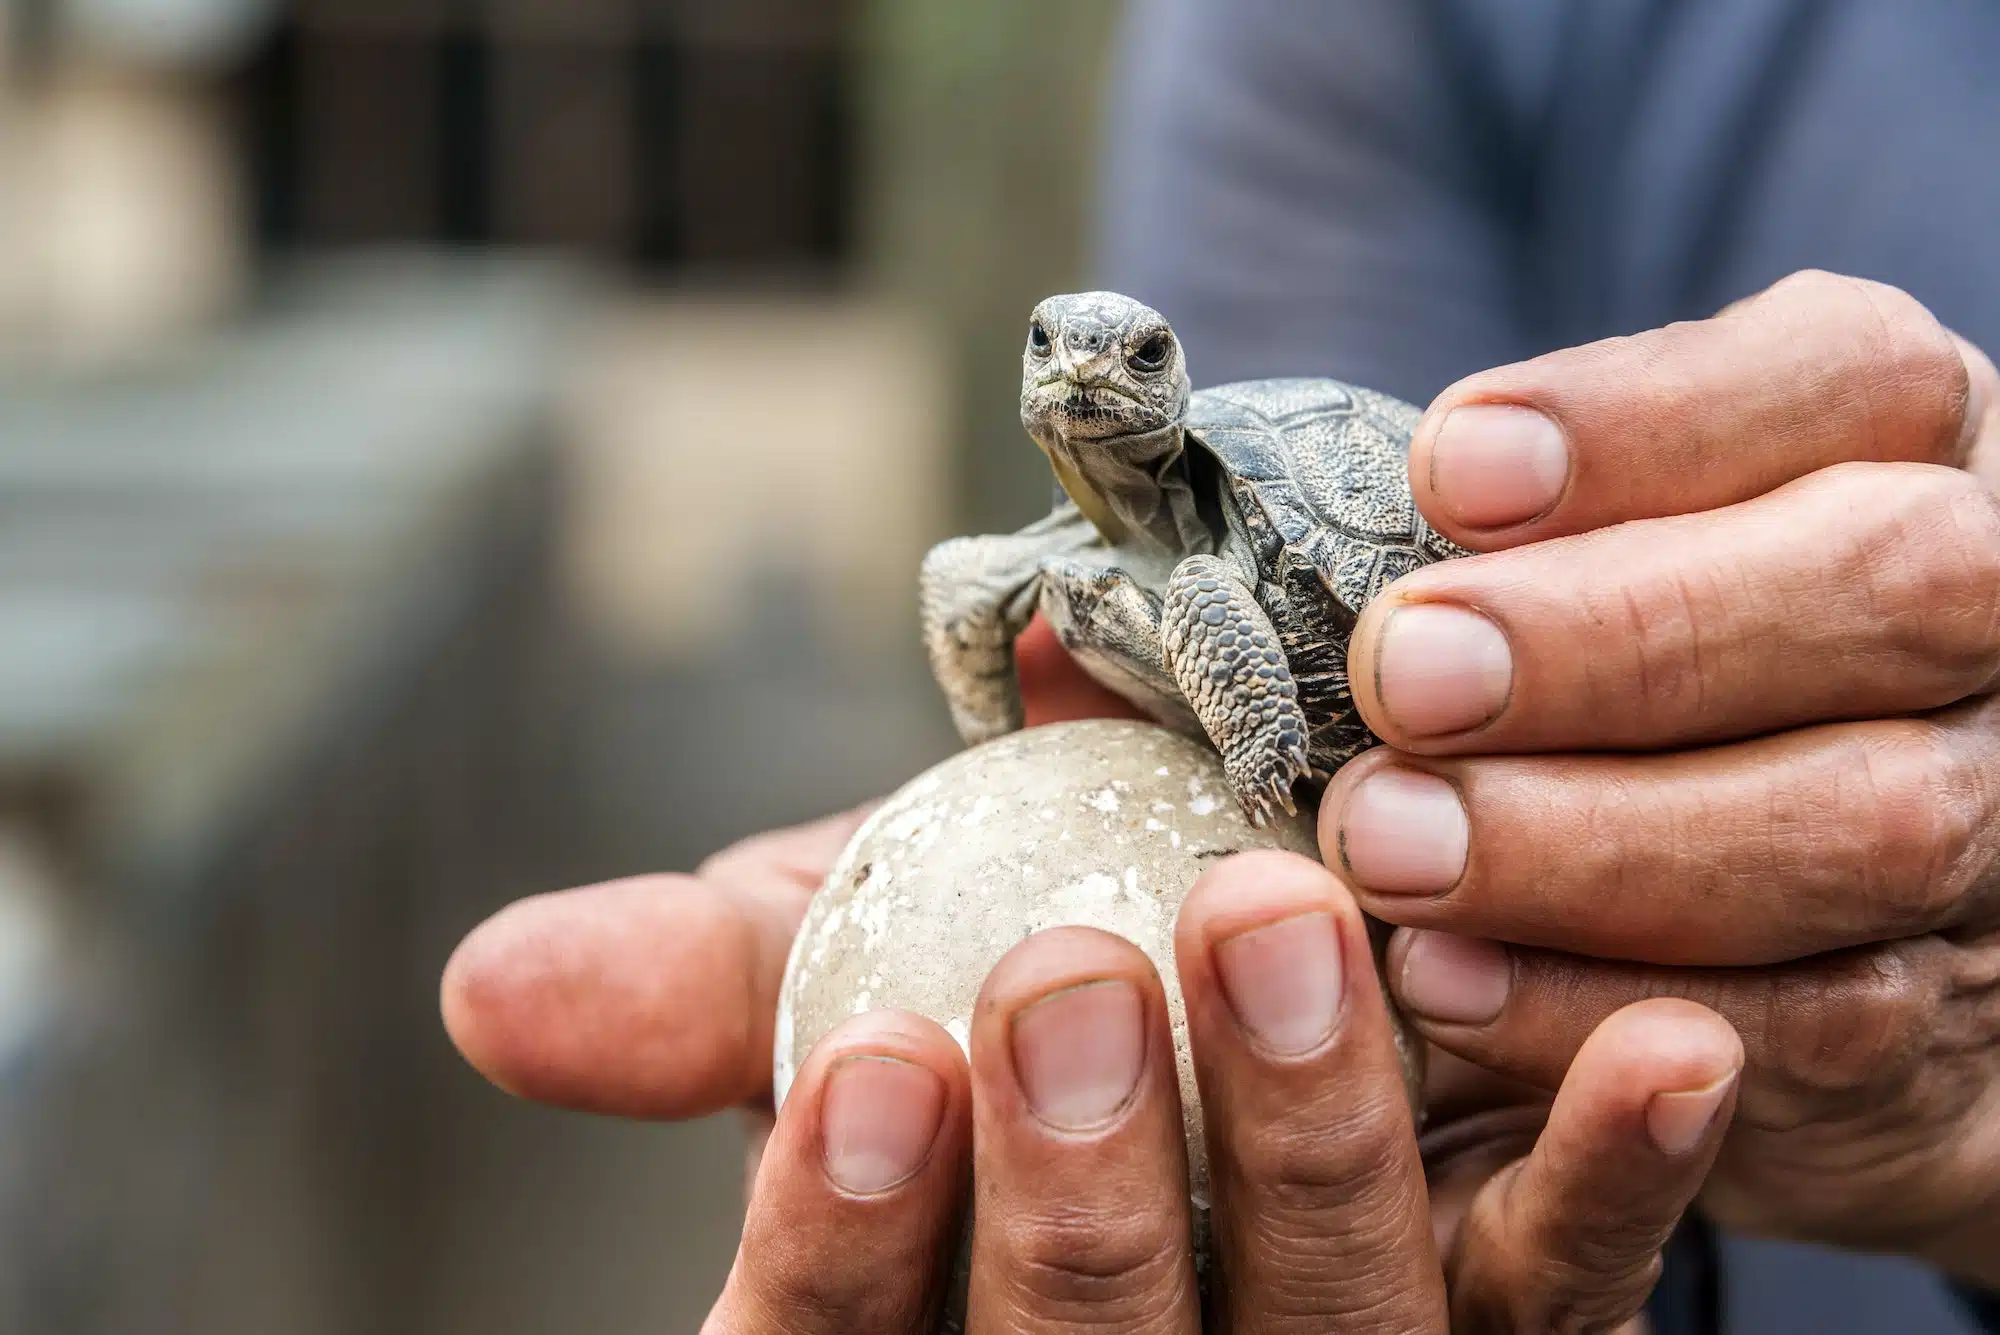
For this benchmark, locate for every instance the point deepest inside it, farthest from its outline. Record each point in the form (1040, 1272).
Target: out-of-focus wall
(123, 226)
(719, 445)
(449, 451)
(982, 134)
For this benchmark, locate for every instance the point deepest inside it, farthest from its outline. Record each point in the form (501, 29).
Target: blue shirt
(1402, 192)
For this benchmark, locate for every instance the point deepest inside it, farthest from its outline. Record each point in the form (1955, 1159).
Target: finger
(1982, 413)
(650, 997)
(853, 1216)
(1054, 689)
(1808, 842)
(783, 865)
(1818, 370)
(1821, 1035)
(757, 1127)
(1860, 592)
(1082, 1216)
(1320, 1206)
(1570, 1237)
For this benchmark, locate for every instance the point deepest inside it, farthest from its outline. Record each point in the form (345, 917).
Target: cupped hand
(654, 998)
(1069, 1113)
(1714, 719)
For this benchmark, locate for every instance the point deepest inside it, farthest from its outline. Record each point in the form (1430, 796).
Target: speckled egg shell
(1099, 824)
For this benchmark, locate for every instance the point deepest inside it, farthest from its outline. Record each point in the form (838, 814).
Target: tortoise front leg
(977, 596)
(1225, 655)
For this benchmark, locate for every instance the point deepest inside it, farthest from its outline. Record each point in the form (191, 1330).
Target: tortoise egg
(1100, 824)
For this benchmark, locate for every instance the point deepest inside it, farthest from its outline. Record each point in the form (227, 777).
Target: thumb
(1571, 1236)
(652, 997)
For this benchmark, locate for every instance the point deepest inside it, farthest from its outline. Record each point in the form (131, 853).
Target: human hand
(1069, 1112)
(654, 998)
(1717, 723)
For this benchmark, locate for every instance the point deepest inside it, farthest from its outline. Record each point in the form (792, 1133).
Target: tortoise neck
(1136, 489)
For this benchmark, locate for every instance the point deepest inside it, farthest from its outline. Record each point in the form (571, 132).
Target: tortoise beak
(1083, 369)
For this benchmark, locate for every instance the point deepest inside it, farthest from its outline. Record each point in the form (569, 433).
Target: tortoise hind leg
(1225, 655)
(1110, 625)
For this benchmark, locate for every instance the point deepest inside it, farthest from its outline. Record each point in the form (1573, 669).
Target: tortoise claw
(1266, 793)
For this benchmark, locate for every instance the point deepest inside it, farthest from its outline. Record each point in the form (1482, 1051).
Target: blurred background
(451, 449)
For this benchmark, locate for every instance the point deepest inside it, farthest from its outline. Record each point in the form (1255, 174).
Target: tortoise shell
(1316, 473)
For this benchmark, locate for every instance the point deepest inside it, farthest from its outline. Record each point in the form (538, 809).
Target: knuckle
(1326, 1153)
(1922, 380)
(1919, 822)
(1094, 1263)
(811, 1303)
(1511, 1277)
(1810, 287)
(1313, 1276)
(1597, 1250)
(1877, 311)
(1841, 1031)
(1961, 592)
(1923, 369)
(773, 1287)
(1917, 550)
(1590, 1260)
(1918, 388)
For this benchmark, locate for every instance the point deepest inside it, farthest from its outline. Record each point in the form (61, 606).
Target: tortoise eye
(1038, 340)
(1152, 355)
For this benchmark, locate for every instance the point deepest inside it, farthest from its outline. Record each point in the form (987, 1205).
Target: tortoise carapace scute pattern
(1318, 472)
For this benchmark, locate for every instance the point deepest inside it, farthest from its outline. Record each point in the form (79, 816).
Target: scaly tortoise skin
(1208, 553)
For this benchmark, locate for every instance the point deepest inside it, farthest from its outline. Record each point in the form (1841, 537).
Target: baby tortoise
(1208, 553)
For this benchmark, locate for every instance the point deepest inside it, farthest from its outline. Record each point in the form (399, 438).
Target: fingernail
(1442, 669)
(1078, 1054)
(879, 1118)
(1495, 464)
(1284, 981)
(1453, 979)
(1679, 1121)
(1404, 833)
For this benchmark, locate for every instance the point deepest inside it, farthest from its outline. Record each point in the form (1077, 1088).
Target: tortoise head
(1104, 392)
(1099, 365)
